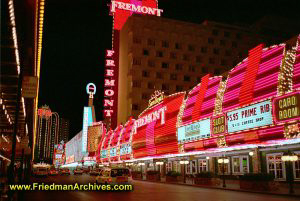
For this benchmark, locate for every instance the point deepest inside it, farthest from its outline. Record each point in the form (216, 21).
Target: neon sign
(286, 108)
(156, 115)
(103, 153)
(91, 89)
(218, 125)
(87, 121)
(250, 117)
(113, 152)
(125, 149)
(134, 8)
(195, 131)
(156, 98)
(109, 84)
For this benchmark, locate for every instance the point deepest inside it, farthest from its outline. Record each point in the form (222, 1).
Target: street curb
(219, 188)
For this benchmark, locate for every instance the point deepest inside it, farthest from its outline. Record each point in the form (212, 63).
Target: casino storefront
(250, 118)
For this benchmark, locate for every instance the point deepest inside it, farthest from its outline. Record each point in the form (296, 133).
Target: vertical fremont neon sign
(120, 10)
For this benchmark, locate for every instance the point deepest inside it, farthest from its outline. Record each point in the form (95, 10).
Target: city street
(143, 191)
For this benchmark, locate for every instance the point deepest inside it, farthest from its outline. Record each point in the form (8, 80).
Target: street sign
(29, 86)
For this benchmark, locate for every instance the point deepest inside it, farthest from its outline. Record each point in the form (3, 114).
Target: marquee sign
(87, 121)
(250, 117)
(195, 131)
(286, 108)
(109, 84)
(113, 152)
(147, 119)
(70, 159)
(125, 149)
(103, 153)
(134, 8)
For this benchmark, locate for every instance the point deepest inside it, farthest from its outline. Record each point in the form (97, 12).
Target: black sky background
(77, 33)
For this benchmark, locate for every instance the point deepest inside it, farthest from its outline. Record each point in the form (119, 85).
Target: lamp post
(184, 163)
(223, 161)
(289, 158)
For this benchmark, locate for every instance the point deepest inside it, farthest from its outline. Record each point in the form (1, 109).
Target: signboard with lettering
(250, 117)
(195, 131)
(286, 108)
(125, 149)
(87, 121)
(218, 125)
(113, 152)
(103, 153)
(70, 159)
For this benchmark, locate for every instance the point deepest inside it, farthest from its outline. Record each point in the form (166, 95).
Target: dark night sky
(77, 32)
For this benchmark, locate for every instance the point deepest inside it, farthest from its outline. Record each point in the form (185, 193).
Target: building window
(179, 88)
(173, 76)
(191, 168)
(185, 57)
(203, 49)
(234, 44)
(151, 42)
(227, 53)
(211, 60)
(137, 61)
(297, 168)
(276, 166)
(215, 32)
(216, 51)
(210, 40)
(186, 78)
(177, 46)
(165, 43)
(191, 48)
(165, 87)
(159, 54)
(223, 62)
(240, 164)
(226, 34)
(158, 75)
(136, 84)
(222, 42)
(198, 59)
(145, 74)
(135, 107)
(164, 65)
(150, 85)
(226, 168)
(173, 55)
(204, 70)
(179, 66)
(151, 63)
(146, 52)
(192, 68)
(137, 40)
(145, 96)
(168, 167)
(202, 165)
(217, 71)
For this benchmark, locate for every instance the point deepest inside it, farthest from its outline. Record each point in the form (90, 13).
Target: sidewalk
(233, 185)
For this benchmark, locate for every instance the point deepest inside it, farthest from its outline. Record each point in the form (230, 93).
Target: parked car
(65, 171)
(78, 171)
(95, 172)
(113, 175)
(53, 172)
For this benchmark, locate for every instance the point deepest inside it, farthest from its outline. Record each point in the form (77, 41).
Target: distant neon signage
(156, 115)
(125, 149)
(250, 117)
(109, 84)
(195, 131)
(287, 108)
(103, 153)
(91, 89)
(134, 8)
(87, 121)
(113, 152)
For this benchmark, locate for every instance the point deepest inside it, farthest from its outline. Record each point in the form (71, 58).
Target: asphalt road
(143, 191)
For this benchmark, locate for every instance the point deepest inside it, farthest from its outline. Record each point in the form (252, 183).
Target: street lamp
(184, 163)
(223, 161)
(289, 158)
